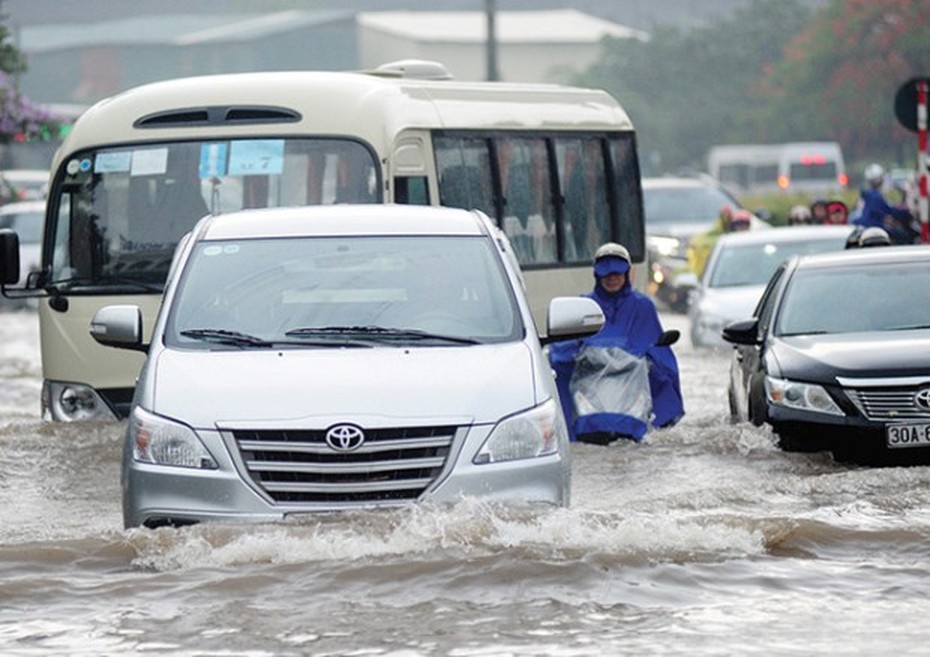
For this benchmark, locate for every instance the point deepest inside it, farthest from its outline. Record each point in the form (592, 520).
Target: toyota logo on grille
(922, 399)
(345, 437)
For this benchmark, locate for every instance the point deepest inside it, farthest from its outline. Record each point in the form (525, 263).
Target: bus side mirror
(9, 257)
(570, 318)
(118, 326)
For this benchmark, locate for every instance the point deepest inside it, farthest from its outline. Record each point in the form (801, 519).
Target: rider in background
(631, 323)
(874, 210)
(799, 215)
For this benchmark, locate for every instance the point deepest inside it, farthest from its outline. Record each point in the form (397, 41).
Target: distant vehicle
(837, 355)
(397, 357)
(27, 184)
(815, 168)
(676, 209)
(26, 218)
(554, 166)
(739, 268)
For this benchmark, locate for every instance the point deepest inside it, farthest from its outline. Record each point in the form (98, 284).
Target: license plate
(907, 435)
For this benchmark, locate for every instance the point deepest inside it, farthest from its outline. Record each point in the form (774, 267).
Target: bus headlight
(160, 441)
(537, 432)
(73, 402)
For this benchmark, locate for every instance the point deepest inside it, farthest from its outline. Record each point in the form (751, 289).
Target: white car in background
(739, 269)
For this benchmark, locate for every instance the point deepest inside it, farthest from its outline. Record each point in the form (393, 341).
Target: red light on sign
(842, 179)
(813, 160)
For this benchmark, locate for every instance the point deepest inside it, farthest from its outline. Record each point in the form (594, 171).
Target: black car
(837, 355)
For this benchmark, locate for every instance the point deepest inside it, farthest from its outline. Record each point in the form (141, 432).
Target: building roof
(560, 25)
(173, 29)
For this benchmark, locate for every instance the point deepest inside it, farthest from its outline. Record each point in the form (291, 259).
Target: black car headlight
(800, 396)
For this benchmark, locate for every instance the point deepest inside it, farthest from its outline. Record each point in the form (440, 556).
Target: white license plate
(907, 435)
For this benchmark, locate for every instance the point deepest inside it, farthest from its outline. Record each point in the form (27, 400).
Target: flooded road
(703, 540)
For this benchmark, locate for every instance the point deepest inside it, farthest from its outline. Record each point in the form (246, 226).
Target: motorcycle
(609, 392)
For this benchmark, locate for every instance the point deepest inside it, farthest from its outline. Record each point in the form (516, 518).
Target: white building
(533, 46)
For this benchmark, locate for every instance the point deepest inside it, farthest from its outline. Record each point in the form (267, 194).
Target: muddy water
(703, 540)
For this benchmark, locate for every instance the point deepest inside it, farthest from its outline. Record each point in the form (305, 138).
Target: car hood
(822, 358)
(729, 304)
(318, 387)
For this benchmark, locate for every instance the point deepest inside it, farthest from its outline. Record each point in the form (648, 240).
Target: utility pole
(491, 43)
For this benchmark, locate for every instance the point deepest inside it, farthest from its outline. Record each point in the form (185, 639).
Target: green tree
(686, 91)
(20, 118)
(840, 74)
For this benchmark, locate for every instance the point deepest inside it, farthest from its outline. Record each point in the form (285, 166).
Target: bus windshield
(122, 210)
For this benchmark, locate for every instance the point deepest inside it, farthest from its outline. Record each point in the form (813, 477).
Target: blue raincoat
(632, 324)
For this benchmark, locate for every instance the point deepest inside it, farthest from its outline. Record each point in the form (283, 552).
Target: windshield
(871, 298)
(697, 205)
(345, 291)
(753, 264)
(121, 211)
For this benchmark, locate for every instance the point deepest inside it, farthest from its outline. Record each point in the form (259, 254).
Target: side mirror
(570, 318)
(118, 326)
(743, 332)
(9, 257)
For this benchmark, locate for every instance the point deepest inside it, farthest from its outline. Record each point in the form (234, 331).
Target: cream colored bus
(554, 166)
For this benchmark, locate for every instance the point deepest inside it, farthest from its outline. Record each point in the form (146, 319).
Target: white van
(815, 168)
(334, 357)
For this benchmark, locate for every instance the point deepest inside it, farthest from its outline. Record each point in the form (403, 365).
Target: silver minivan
(336, 357)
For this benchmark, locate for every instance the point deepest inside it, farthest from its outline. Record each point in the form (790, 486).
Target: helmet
(874, 174)
(611, 258)
(799, 214)
(741, 220)
(874, 236)
(611, 249)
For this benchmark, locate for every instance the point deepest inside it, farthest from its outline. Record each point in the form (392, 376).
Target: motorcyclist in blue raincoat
(875, 211)
(632, 325)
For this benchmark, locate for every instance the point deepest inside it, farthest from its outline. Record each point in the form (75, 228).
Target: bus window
(585, 210)
(128, 206)
(529, 216)
(411, 190)
(463, 165)
(627, 195)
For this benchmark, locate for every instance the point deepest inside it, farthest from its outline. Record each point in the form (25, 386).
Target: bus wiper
(380, 333)
(909, 327)
(223, 336)
(101, 281)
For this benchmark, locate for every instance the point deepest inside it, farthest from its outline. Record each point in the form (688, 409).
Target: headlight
(161, 441)
(665, 246)
(802, 396)
(536, 432)
(73, 402)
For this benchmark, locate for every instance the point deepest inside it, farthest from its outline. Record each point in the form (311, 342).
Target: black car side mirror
(743, 332)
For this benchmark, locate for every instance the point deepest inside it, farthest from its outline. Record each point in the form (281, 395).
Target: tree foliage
(846, 67)
(20, 119)
(775, 71)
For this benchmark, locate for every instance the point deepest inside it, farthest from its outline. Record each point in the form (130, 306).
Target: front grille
(888, 404)
(300, 467)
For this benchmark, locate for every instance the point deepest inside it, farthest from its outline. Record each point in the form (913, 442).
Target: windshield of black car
(383, 290)
(688, 205)
(753, 264)
(889, 297)
(122, 210)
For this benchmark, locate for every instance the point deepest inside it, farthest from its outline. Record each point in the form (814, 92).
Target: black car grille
(296, 467)
(888, 404)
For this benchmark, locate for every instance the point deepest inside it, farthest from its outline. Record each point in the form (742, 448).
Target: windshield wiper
(223, 336)
(103, 281)
(909, 327)
(379, 333)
